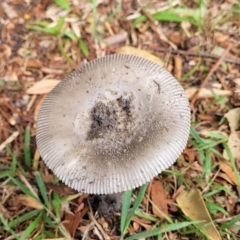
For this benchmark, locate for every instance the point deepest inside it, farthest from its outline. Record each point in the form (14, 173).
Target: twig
(220, 220)
(9, 140)
(209, 184)
(213, 69)
(148, 194)
(198, 54)
(154, 26)
(85, 235)
(105, 236)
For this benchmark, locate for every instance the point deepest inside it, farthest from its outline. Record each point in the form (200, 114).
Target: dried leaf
(72, 221)
(225, 166)
(29, 201)
(34, 63)
(11, 138)
(143, 222)
(9, 11)
(234, 145)
(194, 207)
(159, 199)
(115, 39)
(233, 117)
(206, 93)
(43, 86)
(178, 67)
(140, 53)
(190, 153)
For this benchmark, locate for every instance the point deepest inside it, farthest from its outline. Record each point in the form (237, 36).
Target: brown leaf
(143, 222)
(140, 53)
(34, 63)
(43, 86)
(193, 206)
(233, 117)
(221, 37)
(159, 199)
(136, 226)
(190, 154)
(29, 201)
(82, 197)
(225, 166)
(177, 67)
(9, 11)
(234, 145)
(72, 221)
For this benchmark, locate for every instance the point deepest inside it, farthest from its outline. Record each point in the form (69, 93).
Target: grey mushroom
(113, 124)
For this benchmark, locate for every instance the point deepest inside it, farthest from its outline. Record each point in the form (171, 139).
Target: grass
(184, 228)
(41, 221)
(60, 31)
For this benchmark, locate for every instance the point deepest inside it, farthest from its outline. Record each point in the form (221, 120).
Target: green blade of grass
(94, 12)
(7, 227)
(83, 47)
(195, 135)
(231, 223)
(63, 4)
(217, 189)
(159, 230)
(56, 203)
(191, 72)
(42, 188)
(207, 166)
(61, 49)
(70, 34)
(50, 30)
(24, 189)
(23, 218)
(27, 150)
(174, 15)
(32, 226)
(12, 169)
(146, 216)
(125, 208)
(135, 206)
(232, 160)
(48, 221)
(214, 208)
(114, 12)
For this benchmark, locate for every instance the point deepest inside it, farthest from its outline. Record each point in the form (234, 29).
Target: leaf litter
(38, 50)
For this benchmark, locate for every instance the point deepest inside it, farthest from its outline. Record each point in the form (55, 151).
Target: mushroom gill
(113, 124)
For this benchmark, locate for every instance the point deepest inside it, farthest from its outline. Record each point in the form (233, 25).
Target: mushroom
(113, 125)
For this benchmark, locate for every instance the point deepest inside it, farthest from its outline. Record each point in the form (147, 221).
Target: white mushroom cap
(113, 124)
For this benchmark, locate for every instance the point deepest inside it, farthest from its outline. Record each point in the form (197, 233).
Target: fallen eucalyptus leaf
(193, 206)
(140, 53)
(43, 86)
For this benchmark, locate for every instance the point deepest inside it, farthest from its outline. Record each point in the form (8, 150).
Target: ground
(198, 42)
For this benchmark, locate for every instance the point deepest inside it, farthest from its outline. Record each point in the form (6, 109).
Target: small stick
(105, 236)
(198, 54)
(9, 140)
(213, 69)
